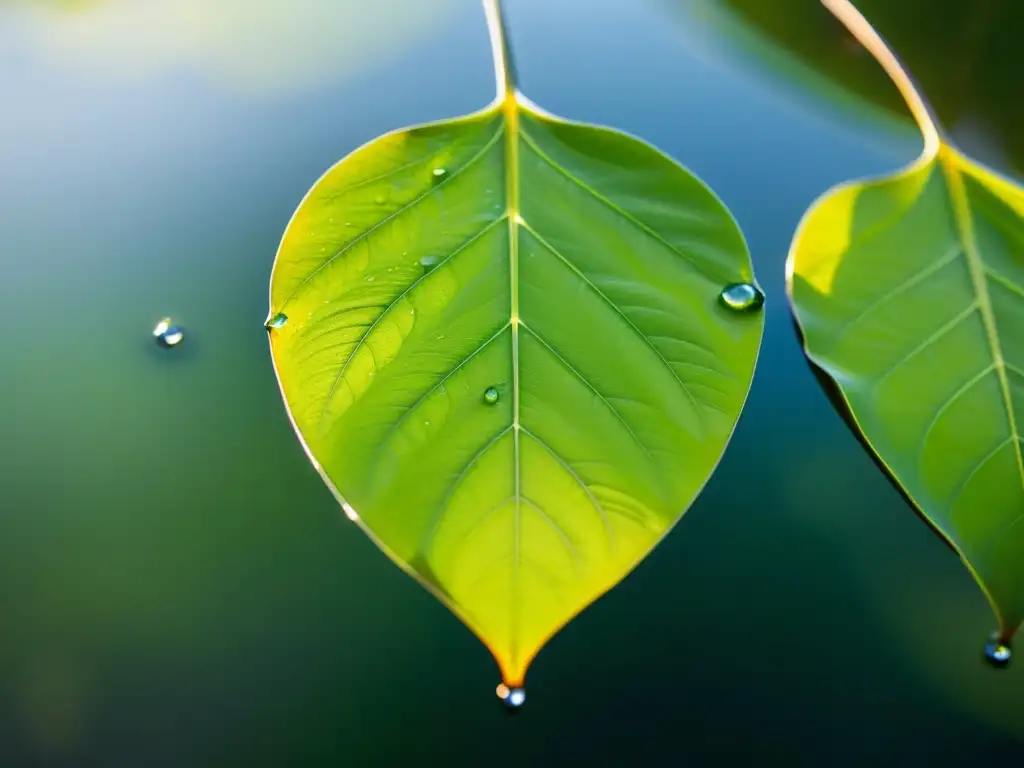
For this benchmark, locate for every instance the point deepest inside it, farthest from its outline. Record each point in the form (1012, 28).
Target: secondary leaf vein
(624, 317)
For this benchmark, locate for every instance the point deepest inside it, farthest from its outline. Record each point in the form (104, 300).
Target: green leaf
(909, 291)
(502, 342)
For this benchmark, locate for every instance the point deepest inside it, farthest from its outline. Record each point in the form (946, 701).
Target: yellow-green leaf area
(909, 291)
(505, 352)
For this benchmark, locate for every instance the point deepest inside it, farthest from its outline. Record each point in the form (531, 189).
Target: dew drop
(429, 262)
(167, 334)
(742, 297)
(513, 697)
(998, 652)
(490, 395)
(278, 320)
(440, 173)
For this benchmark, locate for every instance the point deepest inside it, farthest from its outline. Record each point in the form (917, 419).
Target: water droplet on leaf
(429, 262)
(440, 173)
(490, 395)
(998, 653)
(278, 320)
(370, 278)
(513, 697)
(380, 199)
(742, 297)
(167, 334)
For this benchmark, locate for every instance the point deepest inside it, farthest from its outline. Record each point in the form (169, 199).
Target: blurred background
(178, 587)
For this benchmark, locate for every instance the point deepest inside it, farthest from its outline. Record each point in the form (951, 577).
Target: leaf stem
(504, 64)
(865, 34)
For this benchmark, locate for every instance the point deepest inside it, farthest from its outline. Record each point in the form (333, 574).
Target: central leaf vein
(965, 224)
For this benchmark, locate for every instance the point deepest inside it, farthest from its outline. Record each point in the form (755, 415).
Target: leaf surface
(501, 341)
(909, 292)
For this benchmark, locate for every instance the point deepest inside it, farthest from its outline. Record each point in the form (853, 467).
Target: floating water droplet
(429, 262)
(513, 697)
(167, 334)
(491, 395)
(998, 652)
(440, 173)
(278, 320)
(742, 297)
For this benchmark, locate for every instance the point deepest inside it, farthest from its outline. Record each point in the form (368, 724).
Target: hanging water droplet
(998, 652)
(440, 173)
(429, 262)
(491, 395)
(167, 334)
(742, 297)
(513, 697)
(278, 320)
